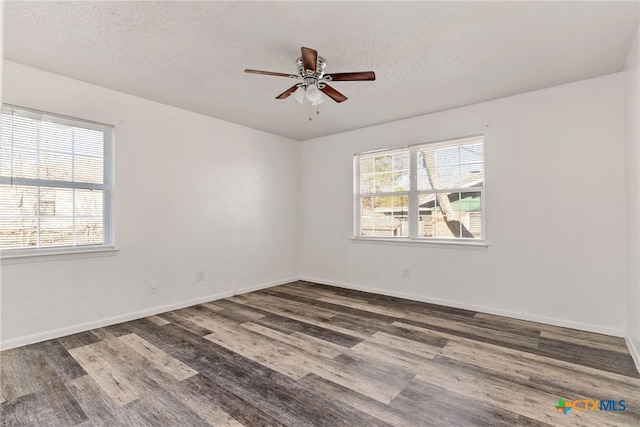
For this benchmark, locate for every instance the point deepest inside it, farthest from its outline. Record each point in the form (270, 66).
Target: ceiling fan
(313, 80)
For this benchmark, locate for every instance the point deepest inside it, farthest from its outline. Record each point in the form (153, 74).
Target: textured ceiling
(428, 56)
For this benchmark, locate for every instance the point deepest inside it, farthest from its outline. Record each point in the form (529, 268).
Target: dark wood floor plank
(359, 401)
(288, 325)
(439, 406)
(99, 407)
(210, 393)
(28, 410)
(59, 359)
(303, 354)
(16, 378)
(66, 409)
(78, 340)
(598, 358)
(176, 319)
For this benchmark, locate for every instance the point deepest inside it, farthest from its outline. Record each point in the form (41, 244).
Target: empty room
(329, 213)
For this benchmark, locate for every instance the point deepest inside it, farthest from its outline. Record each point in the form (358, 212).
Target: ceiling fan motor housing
(321, 64)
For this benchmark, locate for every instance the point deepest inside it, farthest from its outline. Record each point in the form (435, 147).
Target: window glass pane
(89, 231)
(366, 165)
(450, 167)
(450, 215)
(88, 142)
(88, 169)
(384, 182)
(89, 203)
(400, 214)
(401, 161)
(55, 166)
(401, 181)
(384, 216)
(16, 200)
(56, 202)
(18, 224)
(447, 156)
(471, 153)
(18, 162)
(56, 231)
(18, 232)
(367, 183)
(387, 173)
(19, 132)
(55, 137)
(472, 175)
(383, 163)
(449, 177)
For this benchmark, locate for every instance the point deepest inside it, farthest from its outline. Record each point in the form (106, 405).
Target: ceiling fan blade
(268, 73)
(333, 94)
(356, 76)
(310, 59)
(287, 92)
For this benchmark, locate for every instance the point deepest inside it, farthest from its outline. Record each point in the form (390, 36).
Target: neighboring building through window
(426, 192)
(55, 181)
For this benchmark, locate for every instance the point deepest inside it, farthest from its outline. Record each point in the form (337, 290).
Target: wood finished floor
(310, 355)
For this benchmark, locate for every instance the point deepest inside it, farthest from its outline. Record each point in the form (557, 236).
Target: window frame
(108, 233)
(413, 196)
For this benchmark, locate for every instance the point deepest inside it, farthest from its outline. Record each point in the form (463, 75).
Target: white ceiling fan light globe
(313, 93)
(318, 102)
(299, 94)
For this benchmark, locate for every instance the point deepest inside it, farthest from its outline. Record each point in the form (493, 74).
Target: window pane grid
(447, 191)
(54, 181)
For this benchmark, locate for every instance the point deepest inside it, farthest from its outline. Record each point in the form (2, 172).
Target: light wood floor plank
(103, 371)
(158, 358)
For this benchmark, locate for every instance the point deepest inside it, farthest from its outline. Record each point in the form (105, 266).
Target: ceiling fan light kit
(313, 80)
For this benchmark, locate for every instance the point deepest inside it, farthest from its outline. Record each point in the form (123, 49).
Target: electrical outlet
(153, 287)
(200, 276)
(405, 273)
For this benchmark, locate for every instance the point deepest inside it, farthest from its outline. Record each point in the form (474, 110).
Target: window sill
(406, 241)
(41, 255)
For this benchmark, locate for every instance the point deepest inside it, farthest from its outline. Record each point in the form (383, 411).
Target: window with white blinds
(55, 181)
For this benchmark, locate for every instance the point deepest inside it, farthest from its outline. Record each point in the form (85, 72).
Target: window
(423, 192)
(55, 181)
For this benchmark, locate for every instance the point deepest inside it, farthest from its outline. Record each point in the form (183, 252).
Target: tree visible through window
(55, 181)
(430, 191)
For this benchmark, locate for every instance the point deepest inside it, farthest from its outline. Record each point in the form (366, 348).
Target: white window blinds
(55, 181)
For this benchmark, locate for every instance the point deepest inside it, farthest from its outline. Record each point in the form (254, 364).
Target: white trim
(21, 256)
(588, 327)
(635, 353)
(66, 120)
(404, 241)
(61, 332)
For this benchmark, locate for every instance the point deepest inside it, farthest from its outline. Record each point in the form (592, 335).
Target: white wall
(555, 201)
(632, 167)
(192, 194)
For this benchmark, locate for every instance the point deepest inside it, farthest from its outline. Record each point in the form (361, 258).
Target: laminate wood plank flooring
(304, 354)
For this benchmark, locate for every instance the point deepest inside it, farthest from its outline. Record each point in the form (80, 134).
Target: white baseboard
(635, 354)
(74, 329)
(479, 308)
(57, 333)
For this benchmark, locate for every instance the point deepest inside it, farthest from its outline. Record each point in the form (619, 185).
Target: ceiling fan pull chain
(310, 112)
